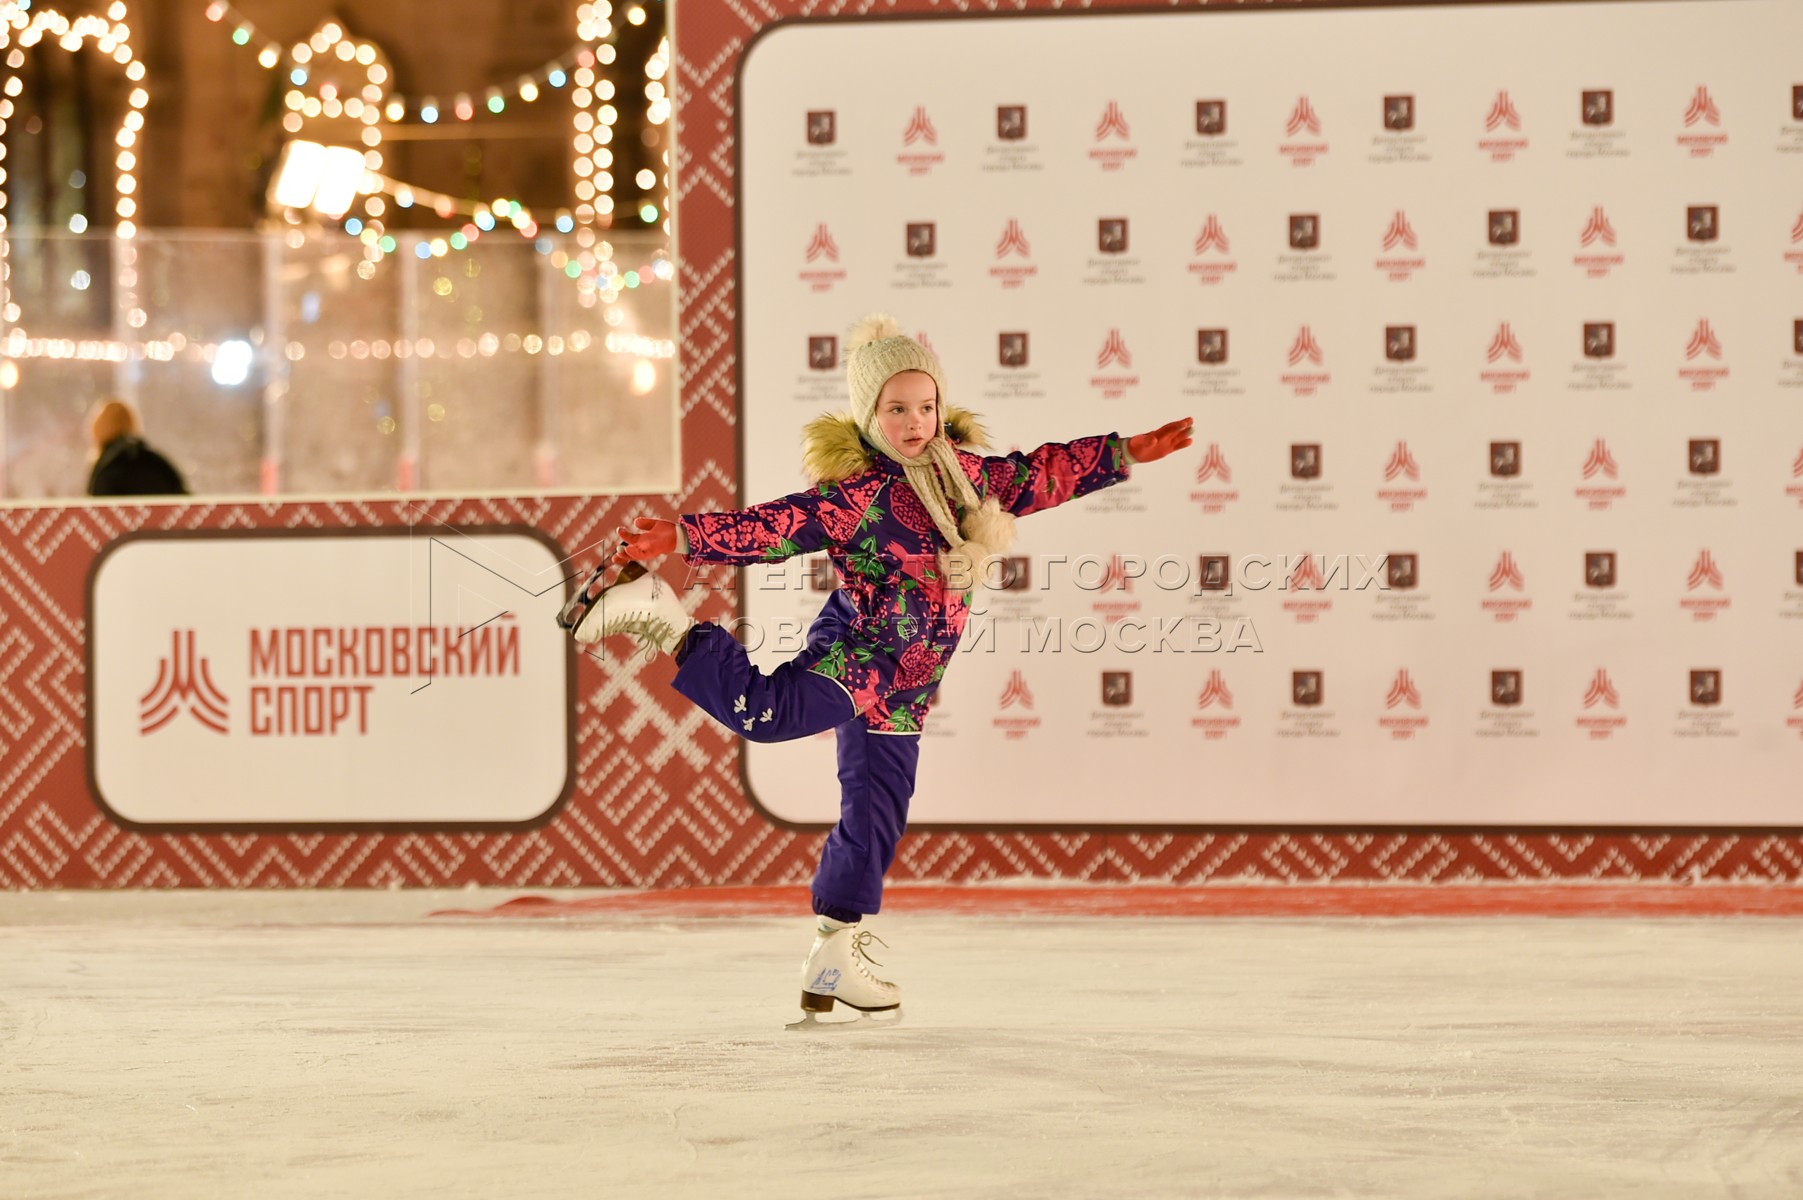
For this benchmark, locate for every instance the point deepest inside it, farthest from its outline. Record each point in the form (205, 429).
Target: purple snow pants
(876, 770)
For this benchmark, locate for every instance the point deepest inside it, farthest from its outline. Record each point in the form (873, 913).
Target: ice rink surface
(306, 1045)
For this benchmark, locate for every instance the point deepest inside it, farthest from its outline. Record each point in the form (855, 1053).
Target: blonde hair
(112, 419)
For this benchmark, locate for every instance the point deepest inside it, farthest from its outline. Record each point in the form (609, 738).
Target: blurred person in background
(124, 463)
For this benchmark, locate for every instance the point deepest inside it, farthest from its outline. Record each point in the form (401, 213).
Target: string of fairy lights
(20, 31)
(335, 77)
(593, 26)
(18, 344)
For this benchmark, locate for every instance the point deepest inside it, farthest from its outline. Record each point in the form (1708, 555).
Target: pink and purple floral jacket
(887, 634)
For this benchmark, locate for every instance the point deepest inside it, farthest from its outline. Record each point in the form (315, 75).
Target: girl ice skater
(909, 517)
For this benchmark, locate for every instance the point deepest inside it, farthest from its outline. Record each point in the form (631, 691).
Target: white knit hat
(877, 350)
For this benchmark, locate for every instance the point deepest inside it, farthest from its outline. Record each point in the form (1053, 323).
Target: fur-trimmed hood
(832, 449)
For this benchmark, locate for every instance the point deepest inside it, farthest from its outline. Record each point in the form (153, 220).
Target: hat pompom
(873, 328)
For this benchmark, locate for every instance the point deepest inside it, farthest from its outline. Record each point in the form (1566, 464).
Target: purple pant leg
(876, 770)
(876, 781)
(790, 702)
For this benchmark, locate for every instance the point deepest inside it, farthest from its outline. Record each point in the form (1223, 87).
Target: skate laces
(859, 949)
(651, 631)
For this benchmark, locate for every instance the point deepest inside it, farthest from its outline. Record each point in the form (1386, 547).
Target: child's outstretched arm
(1057, 472)
(767, 532)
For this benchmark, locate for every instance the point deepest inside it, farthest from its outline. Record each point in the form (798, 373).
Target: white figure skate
(837, 970)
(637, 603)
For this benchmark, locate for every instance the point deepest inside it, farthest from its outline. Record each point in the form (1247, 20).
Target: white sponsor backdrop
(1608, 728)
(211, 739)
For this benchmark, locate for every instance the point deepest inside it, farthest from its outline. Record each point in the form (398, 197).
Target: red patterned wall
(658, 801)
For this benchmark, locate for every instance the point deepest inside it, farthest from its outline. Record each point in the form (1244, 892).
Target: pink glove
(650, 539)
(1150, 447)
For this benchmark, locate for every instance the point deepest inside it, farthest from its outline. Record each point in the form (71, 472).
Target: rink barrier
(658, 802)
(1490, 900)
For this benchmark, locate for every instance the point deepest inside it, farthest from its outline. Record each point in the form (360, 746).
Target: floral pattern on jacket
(888, 633)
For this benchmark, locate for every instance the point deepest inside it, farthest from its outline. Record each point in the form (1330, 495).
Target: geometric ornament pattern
(658, 801)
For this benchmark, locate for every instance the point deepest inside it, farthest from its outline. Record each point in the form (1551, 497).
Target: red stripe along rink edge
(1337, 900)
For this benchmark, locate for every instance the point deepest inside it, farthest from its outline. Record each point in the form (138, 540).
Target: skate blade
(887, 1018)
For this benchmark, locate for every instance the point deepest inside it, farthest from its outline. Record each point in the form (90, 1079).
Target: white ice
(305, 1045)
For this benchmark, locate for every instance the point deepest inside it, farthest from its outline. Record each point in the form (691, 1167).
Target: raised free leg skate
(837, 971)
(638, 603)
